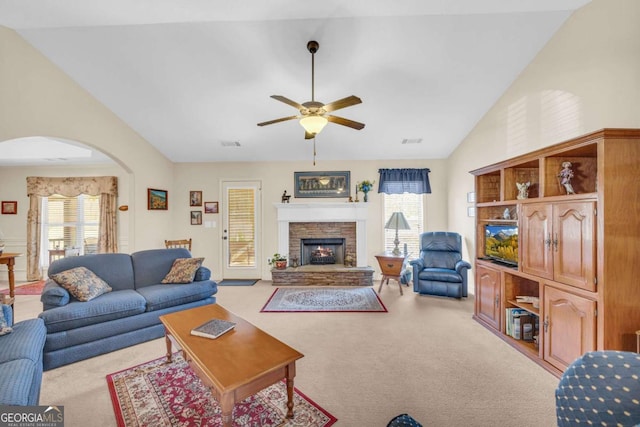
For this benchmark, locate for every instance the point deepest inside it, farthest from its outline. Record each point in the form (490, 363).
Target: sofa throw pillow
(183, 270)
(82, 283)
(4, 325)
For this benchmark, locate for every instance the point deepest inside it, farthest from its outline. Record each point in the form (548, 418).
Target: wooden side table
(9, 259)
(391, 266)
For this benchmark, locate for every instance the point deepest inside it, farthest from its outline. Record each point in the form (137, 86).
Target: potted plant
(279, 261)
(366, 186)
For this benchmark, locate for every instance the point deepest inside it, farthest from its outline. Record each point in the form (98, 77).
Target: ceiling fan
(313, 115)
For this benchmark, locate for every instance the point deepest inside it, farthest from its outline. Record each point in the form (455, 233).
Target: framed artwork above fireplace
(322, 184)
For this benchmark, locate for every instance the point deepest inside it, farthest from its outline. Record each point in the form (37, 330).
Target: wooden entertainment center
(578, 253)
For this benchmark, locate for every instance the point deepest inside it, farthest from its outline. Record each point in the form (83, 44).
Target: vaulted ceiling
(194, 77)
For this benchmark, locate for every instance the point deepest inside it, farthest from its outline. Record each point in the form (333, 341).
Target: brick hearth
(323, 275)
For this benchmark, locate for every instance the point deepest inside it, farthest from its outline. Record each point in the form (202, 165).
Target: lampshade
(313, 124)
(397, 222)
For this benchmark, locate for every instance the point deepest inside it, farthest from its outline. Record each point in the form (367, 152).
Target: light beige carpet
(425, 357)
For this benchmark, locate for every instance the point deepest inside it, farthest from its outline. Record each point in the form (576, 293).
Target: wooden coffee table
(236, 365)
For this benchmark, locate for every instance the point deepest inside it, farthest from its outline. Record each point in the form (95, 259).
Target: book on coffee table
(213, 328)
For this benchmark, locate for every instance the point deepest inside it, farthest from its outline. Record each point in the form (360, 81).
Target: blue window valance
(398, 181)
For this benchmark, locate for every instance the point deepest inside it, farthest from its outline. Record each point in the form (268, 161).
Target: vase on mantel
(366, 198)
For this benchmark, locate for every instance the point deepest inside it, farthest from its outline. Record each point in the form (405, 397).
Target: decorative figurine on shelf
(365, 186)
(285, 197)
(565, 176)
(506, 214)
(523, 190)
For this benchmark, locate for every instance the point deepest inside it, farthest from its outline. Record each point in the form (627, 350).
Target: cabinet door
(569, 327)
(535, 240)
(574, 244)
(488, 295)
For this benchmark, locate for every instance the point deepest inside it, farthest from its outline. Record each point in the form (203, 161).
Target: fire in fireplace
(322, 251)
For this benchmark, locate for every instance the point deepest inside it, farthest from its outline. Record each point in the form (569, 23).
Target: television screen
(501, 243)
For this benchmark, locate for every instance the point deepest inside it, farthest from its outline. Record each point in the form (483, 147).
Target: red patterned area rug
(160, 394)
(285, 300)
(34, 288)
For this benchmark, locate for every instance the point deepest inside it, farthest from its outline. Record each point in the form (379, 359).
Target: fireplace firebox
(322, 251)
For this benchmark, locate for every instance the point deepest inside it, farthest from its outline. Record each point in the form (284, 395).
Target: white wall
(38, 99)
(586, 78)
(277, 177)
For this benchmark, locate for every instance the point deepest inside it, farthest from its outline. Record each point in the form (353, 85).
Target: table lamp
(397, 222)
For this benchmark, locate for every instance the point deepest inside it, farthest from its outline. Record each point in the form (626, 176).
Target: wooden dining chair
(184, 243)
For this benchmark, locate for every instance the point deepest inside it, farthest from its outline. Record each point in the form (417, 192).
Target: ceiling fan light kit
(313, 124)
(313, 116)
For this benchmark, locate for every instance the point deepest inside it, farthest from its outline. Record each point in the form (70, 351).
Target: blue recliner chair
(440, 269)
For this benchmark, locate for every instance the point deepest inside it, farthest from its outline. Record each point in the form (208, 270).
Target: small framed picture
(195, 198)
(10, 208)
(210, 207)
(157, 200)
(196, 217)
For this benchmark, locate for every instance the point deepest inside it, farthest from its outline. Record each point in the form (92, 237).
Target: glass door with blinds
(241, 219)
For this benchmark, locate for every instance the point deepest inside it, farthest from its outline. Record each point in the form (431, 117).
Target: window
(411, 205)
(69, 224)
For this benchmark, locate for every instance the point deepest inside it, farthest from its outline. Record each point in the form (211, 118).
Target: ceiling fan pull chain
(314, 151)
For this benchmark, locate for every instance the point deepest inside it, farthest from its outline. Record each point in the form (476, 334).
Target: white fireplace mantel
(324, 212)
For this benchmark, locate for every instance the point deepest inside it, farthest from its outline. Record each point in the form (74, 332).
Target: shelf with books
(525, 306)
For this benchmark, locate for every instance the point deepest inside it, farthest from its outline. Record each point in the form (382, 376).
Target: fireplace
(327, 225)
(322, 251)
(346, 221)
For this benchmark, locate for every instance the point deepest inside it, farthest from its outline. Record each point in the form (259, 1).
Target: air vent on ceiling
(412, 140)
(230, 143)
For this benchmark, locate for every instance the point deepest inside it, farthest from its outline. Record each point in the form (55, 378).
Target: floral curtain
(399, 181)
(37, 187)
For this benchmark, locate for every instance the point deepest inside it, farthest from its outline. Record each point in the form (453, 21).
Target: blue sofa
(21, 361)
(127, 315)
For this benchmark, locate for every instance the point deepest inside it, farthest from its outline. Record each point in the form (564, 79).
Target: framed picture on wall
(322, 184)
(9, 208)
(157, 200)
(195, 198)
(211, 207)
(196, 217)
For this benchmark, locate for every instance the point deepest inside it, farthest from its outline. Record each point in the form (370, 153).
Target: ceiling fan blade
(345, 122)
(282, 119)
(342, 103)
(286, 100)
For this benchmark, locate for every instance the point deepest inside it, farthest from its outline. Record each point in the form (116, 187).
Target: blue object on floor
(600, 388)
(403, 420)
(238, 282)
